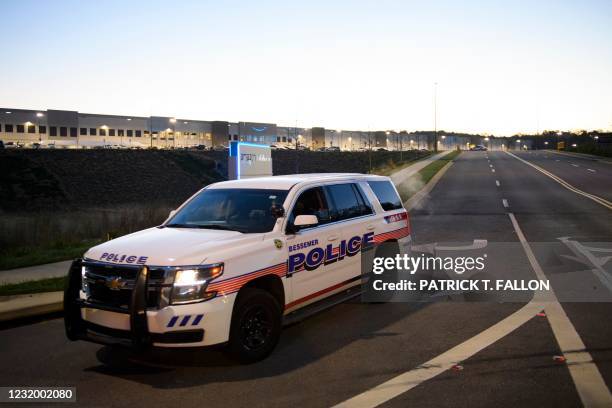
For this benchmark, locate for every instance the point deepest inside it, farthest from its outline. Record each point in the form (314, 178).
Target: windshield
(233, 209)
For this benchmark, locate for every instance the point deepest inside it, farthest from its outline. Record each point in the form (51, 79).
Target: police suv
(234, 262)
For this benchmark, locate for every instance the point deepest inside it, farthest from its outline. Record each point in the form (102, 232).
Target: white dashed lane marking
(592, 171)
(505, 203)
(497, 183)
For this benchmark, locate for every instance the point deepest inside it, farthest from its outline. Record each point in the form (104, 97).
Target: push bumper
(136, 335)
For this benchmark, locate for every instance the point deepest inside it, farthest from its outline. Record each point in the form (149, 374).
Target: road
(347, 351)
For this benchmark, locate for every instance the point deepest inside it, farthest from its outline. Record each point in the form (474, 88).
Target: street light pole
(173, 121)
(40, 115)
(435, 117)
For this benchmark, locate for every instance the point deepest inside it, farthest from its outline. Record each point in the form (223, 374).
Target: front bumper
(191, 325)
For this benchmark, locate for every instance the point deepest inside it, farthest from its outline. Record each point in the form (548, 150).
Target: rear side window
(386, 194)
(347, 202)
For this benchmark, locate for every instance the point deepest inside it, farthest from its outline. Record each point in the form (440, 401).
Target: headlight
(190, 284)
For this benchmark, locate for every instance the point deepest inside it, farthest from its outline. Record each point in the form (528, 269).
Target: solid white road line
(565, 184)
(591, 387)
(505, 203)
(589, 383)
(497, 183)
(445, 361)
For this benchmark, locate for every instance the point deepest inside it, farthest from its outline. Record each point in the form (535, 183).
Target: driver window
(312, 202)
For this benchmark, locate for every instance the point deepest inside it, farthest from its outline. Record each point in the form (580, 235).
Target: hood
(168, 246)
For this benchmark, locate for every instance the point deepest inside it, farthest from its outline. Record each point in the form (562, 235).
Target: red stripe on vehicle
(319, 293)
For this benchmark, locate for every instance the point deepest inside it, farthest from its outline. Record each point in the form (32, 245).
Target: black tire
(256, 325)
(387, 249)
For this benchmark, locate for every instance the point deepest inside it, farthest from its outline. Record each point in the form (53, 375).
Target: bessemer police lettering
(131, 259)
(317, 256)
(303, 245)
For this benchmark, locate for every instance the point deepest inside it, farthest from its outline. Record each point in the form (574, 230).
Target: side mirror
(305, 221)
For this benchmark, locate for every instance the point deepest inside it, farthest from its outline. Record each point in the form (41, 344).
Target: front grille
(112, 285)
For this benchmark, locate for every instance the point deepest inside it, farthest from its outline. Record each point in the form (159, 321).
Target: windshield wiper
(205, 226)
(182, 226)
(220, 227)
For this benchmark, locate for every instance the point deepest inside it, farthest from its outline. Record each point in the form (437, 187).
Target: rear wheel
(256, 325)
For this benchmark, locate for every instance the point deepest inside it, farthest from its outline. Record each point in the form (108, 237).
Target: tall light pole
(105, 128)
(173, 122)
(38, 116)
(435, 117)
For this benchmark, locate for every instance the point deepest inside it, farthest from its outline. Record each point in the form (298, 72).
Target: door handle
(332, 238)
(370, 227)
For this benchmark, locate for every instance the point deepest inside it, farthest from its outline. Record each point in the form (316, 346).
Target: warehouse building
(72, 129)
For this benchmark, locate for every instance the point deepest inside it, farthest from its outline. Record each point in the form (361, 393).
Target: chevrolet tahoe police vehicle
(234, 262)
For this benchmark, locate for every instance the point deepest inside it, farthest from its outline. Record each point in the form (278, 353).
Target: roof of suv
(288, 181)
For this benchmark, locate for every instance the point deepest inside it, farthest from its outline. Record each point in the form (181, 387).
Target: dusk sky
(501, 67)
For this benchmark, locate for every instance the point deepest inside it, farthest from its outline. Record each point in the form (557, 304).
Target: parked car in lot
(234, 262)
(14, 145)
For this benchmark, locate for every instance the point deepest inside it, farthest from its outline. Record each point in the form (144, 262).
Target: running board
(321, 305)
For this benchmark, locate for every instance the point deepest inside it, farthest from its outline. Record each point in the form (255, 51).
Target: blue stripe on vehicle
(197, 319)
(185, 320)
(172, 321)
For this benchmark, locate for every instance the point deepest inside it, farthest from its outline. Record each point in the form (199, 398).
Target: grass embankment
(21, 257)
(391, 167)
(417, 181)
(39, 286)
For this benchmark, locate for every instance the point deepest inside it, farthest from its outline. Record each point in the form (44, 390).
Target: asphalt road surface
(346, 352)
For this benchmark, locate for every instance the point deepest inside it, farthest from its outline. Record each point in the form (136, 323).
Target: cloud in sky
(501, 67)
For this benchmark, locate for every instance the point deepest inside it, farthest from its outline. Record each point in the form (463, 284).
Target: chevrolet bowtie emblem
(115, 283)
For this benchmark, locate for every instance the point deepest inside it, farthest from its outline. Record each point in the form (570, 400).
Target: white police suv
(234, 262)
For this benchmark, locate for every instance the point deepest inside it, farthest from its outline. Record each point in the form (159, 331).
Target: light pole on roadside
(435, 117)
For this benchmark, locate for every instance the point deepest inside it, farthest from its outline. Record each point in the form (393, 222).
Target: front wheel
(256, 325)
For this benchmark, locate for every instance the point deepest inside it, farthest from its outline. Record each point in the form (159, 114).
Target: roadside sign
(248, 160)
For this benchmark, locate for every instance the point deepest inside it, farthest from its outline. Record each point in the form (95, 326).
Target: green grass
(39, 286)
(20, 257)
(392, 167)
(416, 182)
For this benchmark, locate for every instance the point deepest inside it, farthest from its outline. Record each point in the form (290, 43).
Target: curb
(20, 306)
